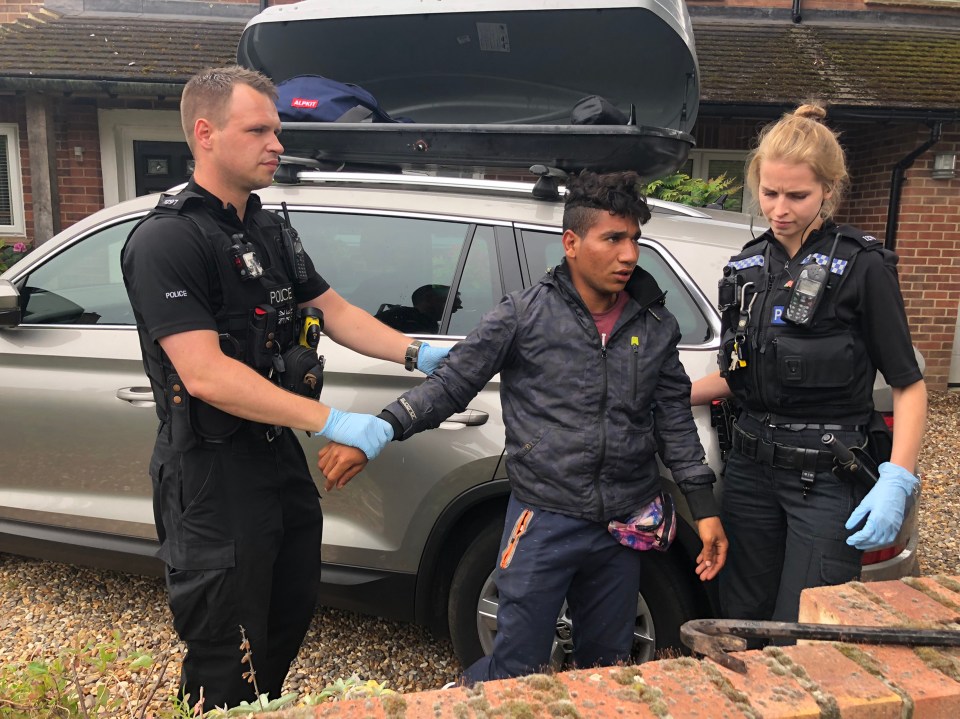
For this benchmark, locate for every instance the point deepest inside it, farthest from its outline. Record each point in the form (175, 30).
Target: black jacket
(583, 422)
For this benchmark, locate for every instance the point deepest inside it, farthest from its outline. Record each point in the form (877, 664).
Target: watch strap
(410, 356)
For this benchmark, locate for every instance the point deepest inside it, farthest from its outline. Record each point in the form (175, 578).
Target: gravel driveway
(46, 606)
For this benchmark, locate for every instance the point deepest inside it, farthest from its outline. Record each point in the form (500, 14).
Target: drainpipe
(896, 185)
(795, 12)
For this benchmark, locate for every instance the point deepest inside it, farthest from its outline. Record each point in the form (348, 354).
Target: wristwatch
(410, 356)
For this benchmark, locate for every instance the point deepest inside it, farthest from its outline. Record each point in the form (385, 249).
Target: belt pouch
(262, 337)
(182, 436)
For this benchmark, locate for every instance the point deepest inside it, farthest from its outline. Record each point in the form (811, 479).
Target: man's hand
(369, 433)
(714, 554)
(340, 463)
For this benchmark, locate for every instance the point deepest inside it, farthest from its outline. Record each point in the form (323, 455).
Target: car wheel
(470, 613)
(665, 601)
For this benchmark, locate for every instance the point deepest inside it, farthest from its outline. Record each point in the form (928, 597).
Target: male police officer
(216, 284)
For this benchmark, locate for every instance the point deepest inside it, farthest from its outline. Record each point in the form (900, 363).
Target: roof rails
(452, 184)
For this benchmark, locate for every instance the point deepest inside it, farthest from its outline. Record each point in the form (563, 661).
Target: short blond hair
(801, 137)
(208, 94)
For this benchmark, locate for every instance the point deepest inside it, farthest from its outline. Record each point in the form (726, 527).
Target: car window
(400, 269)
(544, 250)
(82, 284)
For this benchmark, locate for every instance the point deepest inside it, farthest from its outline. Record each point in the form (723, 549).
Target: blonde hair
(801, 137)
(208, 94)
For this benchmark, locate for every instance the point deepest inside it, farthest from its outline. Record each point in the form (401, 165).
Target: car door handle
(137, 396)
(470, 418)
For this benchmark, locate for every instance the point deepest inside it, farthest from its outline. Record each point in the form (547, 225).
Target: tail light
(882, 555)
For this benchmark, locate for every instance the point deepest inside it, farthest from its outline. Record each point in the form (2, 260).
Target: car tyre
(465, 610)
(667, 599)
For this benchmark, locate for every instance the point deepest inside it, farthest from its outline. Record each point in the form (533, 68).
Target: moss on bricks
(394, 706)
(741, 700)
(952, 584)
(871, 665)
(939, 662)
(829, 708)
(914, 584)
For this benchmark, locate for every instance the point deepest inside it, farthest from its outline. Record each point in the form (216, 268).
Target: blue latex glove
(884, 504)
(429, 358)
(364, 431)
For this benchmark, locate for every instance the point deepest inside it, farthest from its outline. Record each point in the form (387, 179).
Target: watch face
(158, 166)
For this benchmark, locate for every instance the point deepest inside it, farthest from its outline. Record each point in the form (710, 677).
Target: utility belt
(780, 456)
(804, 460)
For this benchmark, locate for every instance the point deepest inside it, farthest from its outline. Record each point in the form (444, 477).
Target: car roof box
(490, 82)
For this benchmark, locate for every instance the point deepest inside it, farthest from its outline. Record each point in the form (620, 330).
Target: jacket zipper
(634, 369)
(603, 427)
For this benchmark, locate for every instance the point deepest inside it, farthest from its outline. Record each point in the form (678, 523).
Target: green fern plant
(694, 191)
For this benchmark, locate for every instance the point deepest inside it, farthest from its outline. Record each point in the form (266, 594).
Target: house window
(11, 196)
(713, 163)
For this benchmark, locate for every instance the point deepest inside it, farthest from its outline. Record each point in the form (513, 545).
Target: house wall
(10, 11)
(928, 230)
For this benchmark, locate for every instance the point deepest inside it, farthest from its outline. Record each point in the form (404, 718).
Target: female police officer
(811, 310)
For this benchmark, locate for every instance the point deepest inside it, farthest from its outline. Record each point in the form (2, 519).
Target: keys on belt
(781, 456)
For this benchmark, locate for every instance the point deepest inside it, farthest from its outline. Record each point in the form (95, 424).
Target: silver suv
(414, 536)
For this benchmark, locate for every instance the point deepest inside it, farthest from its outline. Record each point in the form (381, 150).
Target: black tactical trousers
(240, 527)
(780, 541)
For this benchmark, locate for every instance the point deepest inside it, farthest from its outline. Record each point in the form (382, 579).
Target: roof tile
(741, 62)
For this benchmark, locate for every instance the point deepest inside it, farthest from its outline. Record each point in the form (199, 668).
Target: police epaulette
(762, 237)
(177, 202)
(864, 240)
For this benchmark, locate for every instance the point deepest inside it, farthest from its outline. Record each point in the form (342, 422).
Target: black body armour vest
(793, 373)
(258, 316)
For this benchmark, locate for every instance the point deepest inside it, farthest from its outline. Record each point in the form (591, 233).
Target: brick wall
(80, 179)
(928, 230)
(11, 11)
(808, 680)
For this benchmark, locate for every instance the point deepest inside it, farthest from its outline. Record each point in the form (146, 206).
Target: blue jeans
(544, 558)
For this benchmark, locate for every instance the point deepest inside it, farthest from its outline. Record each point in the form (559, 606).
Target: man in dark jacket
(592, 388)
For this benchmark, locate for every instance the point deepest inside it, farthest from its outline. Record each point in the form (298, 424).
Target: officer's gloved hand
(884, 504)
(364, 431)
(429, 358)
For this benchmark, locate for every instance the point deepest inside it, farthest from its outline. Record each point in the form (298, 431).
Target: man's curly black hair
(619, 193)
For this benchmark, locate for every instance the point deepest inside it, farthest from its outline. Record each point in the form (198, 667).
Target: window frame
(10, 134)
(473, 225)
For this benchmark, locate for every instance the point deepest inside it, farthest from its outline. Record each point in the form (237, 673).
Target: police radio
(293, 248)
(806, 294)
(808, 290)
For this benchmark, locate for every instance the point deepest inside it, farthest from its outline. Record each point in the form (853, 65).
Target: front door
(161, 165)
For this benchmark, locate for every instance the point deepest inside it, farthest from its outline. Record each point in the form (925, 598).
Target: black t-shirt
(171, 273)
(868, 300)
